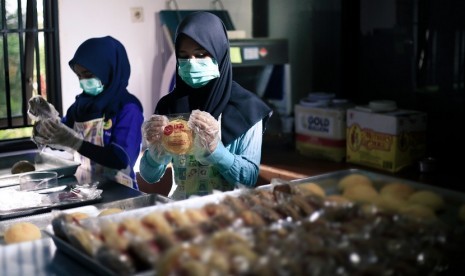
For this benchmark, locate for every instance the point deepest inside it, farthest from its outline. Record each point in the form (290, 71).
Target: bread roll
(427, 198)
(22, 166)
(397, 189)
(361, 194)
(391, 203)
(177, 137)
(22, 231)
(354, 179)
(311, 188)
(109, 211)
(418, 211)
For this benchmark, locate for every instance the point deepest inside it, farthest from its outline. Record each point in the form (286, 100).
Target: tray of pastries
(322, 225)
(30, 227)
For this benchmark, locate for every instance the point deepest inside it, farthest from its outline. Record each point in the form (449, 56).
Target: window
(29, 66)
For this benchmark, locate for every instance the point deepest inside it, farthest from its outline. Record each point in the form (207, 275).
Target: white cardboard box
(320, 132)
(388, 141)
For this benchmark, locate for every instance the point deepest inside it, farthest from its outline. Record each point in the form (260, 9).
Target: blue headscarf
(240, 108)
(106, 58)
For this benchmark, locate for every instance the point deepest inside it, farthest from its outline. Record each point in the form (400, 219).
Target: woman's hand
(152, 131)
(57, 135)
(206, 129)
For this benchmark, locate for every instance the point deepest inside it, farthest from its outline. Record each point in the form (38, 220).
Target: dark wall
(417, 59)
(408, 51)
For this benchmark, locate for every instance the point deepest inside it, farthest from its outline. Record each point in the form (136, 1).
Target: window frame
(28, 34)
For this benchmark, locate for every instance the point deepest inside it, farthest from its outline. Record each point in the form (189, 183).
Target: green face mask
(198, 72)
(92, 86)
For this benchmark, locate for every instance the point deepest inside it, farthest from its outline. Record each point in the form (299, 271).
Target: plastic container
(37, 180)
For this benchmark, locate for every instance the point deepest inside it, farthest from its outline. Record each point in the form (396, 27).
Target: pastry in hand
(177, 137)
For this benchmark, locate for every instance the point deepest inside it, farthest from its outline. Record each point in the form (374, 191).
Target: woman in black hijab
(227, 120)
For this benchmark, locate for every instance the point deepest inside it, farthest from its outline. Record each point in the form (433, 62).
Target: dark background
(409, 51)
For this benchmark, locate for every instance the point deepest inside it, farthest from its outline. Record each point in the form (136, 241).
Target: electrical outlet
(137, 14)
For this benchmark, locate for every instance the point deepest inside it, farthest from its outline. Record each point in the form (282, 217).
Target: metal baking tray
(327, 181)
(43, 161)
(43, 220)
(21, 212)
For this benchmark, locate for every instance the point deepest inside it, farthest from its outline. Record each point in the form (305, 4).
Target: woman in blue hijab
(103, 125)
(227, 120)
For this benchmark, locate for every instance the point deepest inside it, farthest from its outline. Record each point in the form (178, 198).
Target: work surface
(287, 163)
(41, 257)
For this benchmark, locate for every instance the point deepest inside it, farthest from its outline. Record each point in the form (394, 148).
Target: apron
(190, 177)
(92, 132)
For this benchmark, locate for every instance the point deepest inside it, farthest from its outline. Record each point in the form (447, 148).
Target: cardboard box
(320, 132)
(388, 141)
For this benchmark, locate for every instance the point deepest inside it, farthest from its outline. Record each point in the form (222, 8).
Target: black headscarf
(240, 108)
(106, 58)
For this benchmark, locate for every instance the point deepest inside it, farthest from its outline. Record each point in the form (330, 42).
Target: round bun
(22, 166)
(391, 203)
(427, 198)
(79, 215)
(22, 231)
(177, 137)
(354, 179)
(361, 194)
(311, 188)
(397, 189)
(418, 211)
(110, 211)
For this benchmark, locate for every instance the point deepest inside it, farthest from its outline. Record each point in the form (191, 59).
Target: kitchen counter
(42, 257)
(287, 163)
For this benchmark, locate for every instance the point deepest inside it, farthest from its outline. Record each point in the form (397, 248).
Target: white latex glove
(206, 129)
(152, 131)
(57, 135)
(40, 109)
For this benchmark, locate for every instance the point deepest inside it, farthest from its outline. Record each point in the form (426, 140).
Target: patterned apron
(193, 178)
(92, 131)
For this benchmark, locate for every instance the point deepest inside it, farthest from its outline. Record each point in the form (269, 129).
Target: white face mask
(198, 72)
(92, 86)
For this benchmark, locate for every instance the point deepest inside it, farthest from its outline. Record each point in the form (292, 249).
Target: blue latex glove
(57, 135)
(152, 131)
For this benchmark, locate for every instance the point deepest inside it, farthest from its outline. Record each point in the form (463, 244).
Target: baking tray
(327, 181)
(43, 220)
(14, 213)
(43, 161)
